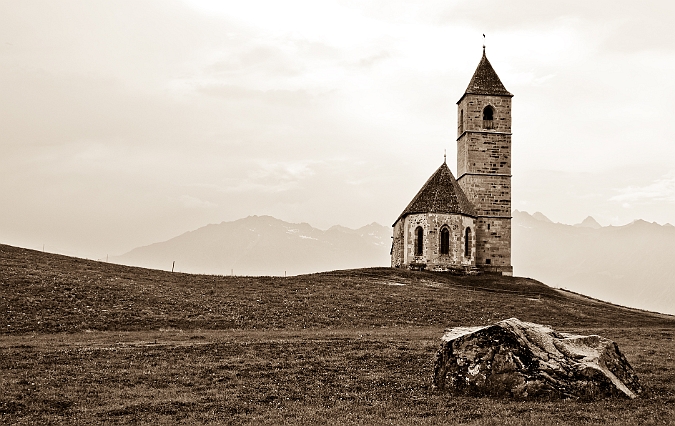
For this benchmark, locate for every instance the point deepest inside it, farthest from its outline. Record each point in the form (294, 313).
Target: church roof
(440, 194)
(485, 80)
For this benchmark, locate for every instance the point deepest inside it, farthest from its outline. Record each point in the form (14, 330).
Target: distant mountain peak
(629, 264)
(340, 228)
(589, 222)
(265, 245)
(540, 216)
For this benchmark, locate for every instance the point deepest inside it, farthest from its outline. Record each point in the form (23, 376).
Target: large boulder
(519, 359)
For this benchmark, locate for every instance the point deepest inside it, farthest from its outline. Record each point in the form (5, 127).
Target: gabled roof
(440, 194)
(485, 81)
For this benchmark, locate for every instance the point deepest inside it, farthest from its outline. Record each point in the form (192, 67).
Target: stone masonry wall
(484, 153)
(470, 113)
(397, 246)
(484, 174)
(493, 244)
(489, 194)
(432, 223)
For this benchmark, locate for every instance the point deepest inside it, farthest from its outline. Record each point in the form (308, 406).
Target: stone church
(464, 224)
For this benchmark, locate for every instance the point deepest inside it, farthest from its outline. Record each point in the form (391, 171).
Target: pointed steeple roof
(440, 194)
(485, 80)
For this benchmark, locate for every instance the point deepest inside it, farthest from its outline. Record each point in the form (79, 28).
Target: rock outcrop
(518, 359)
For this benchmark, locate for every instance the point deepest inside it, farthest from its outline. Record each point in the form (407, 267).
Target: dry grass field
(85, 342)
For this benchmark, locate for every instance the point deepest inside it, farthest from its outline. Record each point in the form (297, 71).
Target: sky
(130, 122)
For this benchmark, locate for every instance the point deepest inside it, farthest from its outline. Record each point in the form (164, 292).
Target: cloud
(323, 112)
(287, 98)
(659, 191)
(273, 177)
(375, 59)
(191, 202)
(619, 25)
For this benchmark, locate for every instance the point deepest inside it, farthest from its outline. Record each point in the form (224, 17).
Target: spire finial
(444, 157)
(483, 44)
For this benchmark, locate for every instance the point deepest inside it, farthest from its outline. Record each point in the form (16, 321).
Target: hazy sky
(124, 123)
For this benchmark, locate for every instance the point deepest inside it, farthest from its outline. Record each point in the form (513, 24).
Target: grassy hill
(89, 342)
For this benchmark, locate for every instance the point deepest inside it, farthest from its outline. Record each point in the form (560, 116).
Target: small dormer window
(488, 117)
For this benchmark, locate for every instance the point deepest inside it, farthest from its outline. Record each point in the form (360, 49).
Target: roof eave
(484, 94)
(404, 215)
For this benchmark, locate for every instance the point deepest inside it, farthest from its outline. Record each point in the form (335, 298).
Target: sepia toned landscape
(89, 343)
(337, 212)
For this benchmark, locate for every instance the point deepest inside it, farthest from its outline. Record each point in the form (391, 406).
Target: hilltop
(629, 265)
(88, 342)
(52, 293)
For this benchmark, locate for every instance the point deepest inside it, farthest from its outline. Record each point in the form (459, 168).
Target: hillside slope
(48, 293)
(86, 342)
(631, 265)
(263, 245)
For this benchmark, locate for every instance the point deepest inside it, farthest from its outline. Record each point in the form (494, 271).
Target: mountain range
(263, 245)
(631, 265)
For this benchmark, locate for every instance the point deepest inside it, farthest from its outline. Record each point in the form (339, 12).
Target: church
(464, 224)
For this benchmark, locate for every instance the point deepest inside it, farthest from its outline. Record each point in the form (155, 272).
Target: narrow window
(488, 115)
(461, 121)
(445, 241)
(488, 261)
(488, 226)
(467, 242)
(419, 241)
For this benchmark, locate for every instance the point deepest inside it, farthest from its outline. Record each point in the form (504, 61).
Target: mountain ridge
(628, 265)
(264, 245)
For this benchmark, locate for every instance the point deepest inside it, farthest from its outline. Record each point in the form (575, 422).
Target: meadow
(85, 342)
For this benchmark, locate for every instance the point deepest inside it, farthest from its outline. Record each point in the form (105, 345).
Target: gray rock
(513, 358)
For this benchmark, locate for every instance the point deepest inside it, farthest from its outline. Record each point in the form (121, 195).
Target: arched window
(445, 241)
(488, 117)
(467, 242)
(419, 241)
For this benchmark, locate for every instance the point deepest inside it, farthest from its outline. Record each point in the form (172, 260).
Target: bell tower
(484, 164)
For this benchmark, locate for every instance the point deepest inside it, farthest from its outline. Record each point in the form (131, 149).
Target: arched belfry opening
(467, 242)
(488, 117)
(445, 240)
(419, 241)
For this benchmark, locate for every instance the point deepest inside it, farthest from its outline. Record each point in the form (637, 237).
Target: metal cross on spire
(483, 43)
